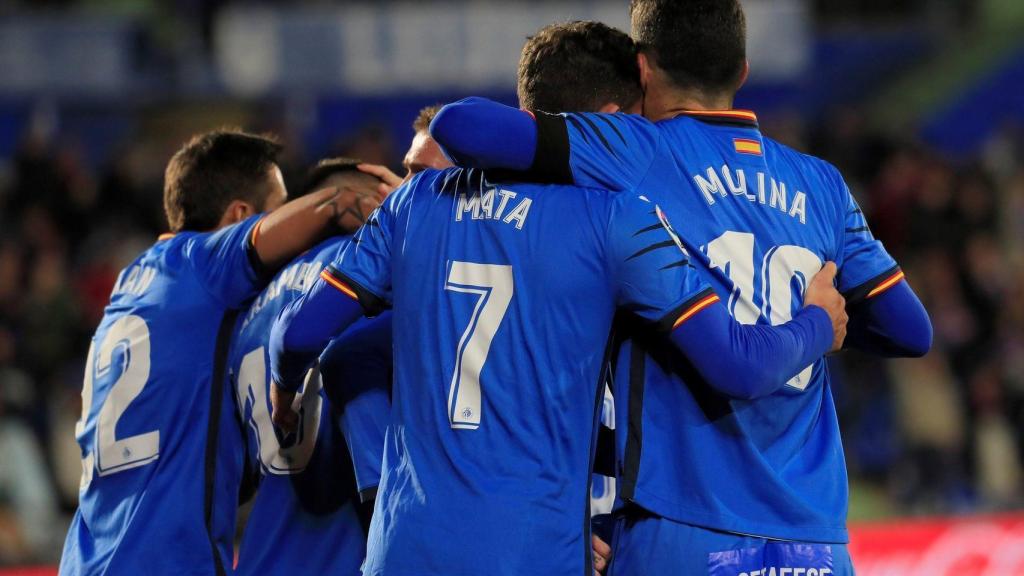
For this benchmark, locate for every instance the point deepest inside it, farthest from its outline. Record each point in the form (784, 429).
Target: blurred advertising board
(968, 546)
(383, 48)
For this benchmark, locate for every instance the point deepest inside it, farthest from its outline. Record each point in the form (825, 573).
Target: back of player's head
(699, 44)
(338, 171)
(425, 117)
(579, 66)
(214, 169)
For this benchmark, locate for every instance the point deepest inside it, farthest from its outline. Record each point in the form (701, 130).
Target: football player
(152, 396)
(716, 484)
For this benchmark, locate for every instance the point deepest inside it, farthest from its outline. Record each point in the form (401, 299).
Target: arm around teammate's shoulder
(751, 361)
(301, 223)
(298, 336)
(611, 151)
(356, 283)
(466, 132)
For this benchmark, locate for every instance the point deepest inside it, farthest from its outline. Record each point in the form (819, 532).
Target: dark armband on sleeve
(686, 310)
(551, 160)
(371, 303)
(874, 286)
(263, 272)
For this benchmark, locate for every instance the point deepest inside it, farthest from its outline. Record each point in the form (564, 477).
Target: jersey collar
(743, 118)
(165, 236)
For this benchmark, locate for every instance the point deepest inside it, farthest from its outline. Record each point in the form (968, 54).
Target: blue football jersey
(304, 519)
(760, 219)
(503, 298)
(148, 501)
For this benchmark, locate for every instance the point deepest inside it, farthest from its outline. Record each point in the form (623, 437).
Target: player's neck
(668, 102)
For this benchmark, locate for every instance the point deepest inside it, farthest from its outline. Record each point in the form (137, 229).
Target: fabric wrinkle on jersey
(762, 218)
(500, 480)
(144, 499)
(306, 505)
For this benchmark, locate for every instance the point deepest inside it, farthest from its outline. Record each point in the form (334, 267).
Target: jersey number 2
(733, 254)
(130, 335)
(492, 284)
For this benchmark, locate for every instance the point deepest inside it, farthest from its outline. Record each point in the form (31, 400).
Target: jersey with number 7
(503, 298)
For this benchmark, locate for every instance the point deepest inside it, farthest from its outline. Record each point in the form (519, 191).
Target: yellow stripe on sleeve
(888, 283)
(339, 285)
(255, 232)
(711, 299)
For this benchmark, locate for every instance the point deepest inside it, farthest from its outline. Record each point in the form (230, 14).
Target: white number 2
(733, 254)
(493, 286)
(130, 335)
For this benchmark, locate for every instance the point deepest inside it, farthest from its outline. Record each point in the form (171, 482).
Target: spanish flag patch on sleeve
(680, 314)
(338, 283)
(702, 303)
(747, 146)
(886, 284)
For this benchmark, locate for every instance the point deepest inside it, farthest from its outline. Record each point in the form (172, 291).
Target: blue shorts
(647, 545)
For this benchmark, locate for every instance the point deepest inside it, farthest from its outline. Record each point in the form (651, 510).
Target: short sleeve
(654, 277)
(607, 151)
(867, 268)
(226, 264)
(363, 268)
(356, 368)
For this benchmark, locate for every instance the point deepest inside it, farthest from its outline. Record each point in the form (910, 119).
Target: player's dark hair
(425, 117)
(579, 66)
(700, 44)
(337, 166)
(326, 168)
(212, 170)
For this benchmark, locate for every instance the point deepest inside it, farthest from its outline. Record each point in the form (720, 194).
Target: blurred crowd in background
(940, 435)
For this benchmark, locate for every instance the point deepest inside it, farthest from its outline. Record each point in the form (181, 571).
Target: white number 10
(493, 286)
(733, 254)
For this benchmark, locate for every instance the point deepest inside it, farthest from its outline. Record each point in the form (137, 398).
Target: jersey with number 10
(304, 518)
(761, 218)
(148, 482)
(503, 298)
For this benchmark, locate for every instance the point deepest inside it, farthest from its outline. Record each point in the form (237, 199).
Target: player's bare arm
(300, 223)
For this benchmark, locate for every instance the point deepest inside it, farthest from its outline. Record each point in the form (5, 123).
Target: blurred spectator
(28, 508)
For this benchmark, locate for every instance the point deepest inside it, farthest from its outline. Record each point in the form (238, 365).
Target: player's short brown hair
(212, 170)
(578, 66)
(700, 44)
(425, 117)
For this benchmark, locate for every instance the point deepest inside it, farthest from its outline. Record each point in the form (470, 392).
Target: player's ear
(743, 75)
(609, 108)
(236, 211)
(645, 70)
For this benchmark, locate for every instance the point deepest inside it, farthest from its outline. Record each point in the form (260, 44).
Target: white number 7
(493, 285)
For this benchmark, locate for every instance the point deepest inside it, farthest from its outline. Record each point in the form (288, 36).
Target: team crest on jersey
(669, 229)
